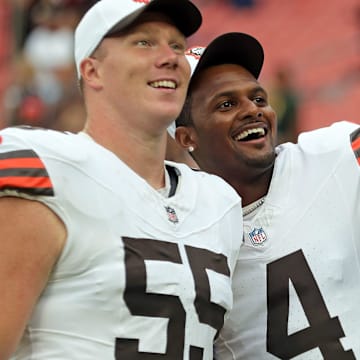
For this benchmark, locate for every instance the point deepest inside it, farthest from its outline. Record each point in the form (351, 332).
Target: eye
(259, 100)
(143, 43)
(178, 47)
(226, 105)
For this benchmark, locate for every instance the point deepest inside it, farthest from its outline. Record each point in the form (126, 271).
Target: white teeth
(164, 84)
(246, 133)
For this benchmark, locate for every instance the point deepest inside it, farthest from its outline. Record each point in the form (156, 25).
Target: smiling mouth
(163, 84)
(250, 134)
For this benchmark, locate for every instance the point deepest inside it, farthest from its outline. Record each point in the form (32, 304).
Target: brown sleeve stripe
(355, 143)
(24, 172)
(19, 154)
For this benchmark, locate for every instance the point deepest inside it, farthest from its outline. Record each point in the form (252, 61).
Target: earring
(191, 149)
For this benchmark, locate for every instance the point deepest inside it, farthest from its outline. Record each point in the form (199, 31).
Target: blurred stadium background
(312, 58)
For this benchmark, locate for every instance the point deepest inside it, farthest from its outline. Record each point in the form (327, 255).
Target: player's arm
(32, 238)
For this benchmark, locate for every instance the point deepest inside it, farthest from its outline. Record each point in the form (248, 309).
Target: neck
(142, 153)
(250, 193)
(250, 189)
(249, 176)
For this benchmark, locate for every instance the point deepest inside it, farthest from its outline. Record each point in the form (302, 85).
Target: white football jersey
(142, 276)
(297, 282)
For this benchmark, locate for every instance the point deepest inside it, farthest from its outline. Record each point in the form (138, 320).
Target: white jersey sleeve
(142, 276)
(296, 292)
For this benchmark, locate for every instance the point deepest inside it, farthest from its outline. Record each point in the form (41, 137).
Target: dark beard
(260, 162)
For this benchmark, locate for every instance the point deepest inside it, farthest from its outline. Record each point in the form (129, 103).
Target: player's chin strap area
(174, 174)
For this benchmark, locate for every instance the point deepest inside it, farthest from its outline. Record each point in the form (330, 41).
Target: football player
(296, 285)
(107, 252)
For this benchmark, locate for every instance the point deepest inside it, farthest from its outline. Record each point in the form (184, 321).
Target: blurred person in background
(6, 53)
(285, 99)
(44, 91)
(241, 4)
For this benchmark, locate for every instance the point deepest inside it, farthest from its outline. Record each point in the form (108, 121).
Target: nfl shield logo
(258, 236)
(171, 214)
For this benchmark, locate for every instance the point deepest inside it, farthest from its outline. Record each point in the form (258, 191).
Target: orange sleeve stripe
(21, 163)
(356, 144)
(25, 182)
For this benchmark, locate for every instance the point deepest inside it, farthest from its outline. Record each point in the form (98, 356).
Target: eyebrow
(229, 93)
(259, 88)
(224, 94)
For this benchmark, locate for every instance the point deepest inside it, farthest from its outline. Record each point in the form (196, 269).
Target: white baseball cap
(110, 16)
(192, 56)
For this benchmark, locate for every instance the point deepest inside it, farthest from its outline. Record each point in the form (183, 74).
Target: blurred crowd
(44, 90)
(44, 87)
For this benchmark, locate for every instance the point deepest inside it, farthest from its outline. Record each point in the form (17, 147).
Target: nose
(251, 109)
(167, 57)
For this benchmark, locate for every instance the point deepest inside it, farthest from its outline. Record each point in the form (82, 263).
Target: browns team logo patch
(257, 236)
(172, 217)
(195, 51)
(24, 172)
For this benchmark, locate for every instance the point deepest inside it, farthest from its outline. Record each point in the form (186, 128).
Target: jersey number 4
(323, 332)
(141, 303)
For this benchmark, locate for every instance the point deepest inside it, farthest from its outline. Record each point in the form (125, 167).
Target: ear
(186, 137)
(177, 153)
(89, 72)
